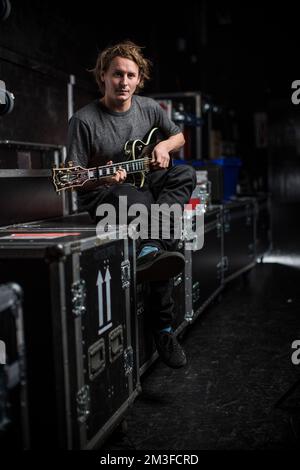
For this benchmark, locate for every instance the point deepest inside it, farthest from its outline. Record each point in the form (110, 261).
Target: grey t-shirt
(97, 135)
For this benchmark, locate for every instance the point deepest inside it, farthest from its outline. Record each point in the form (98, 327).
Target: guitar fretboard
(131, 166)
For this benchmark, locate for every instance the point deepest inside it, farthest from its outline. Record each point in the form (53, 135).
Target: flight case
(80, 329)
(14, 431)
(263, 222)
(206, 264)
(239, 237)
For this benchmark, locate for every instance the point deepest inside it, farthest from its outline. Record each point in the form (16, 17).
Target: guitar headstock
(69, 177)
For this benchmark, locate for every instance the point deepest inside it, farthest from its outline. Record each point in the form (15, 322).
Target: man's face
(121, 80)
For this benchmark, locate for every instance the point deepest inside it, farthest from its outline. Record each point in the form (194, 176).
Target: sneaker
(159, 265)
(169, 350)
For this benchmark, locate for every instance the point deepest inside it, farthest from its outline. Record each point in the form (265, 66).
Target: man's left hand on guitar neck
(118, 178)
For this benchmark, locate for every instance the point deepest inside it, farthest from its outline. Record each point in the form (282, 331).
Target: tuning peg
(70, 163)
(61, 165)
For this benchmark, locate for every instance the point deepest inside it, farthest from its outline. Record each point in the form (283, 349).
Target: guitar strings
(135, 166)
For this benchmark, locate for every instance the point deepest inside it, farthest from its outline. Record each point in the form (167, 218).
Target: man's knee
(191, 172)
(187, 173)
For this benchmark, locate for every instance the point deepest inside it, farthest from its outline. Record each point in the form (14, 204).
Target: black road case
(239, 237)
(202, 278)
(263, 226)
(80, 329)
(14, 430)
(206, 263)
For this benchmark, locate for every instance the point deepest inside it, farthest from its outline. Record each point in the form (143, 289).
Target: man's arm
(161, 152)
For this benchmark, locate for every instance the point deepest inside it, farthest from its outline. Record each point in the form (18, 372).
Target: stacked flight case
(14, 426)
(262, 222)
(80, 328)
(203, 274)
(238, 237)
(206, 263)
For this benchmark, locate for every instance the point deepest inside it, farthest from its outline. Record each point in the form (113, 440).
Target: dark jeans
(174, 185)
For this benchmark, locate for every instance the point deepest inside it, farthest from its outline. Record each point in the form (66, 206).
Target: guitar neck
(131, 166)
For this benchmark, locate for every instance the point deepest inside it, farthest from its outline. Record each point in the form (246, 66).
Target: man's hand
(160, 156)
(118, 178)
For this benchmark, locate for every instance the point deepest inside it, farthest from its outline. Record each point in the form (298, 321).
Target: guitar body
(135, 149)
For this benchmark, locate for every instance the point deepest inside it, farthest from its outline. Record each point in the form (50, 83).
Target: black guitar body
(135, 149)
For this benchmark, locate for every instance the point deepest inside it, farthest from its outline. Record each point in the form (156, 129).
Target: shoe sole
(161, 269)
(174, 366)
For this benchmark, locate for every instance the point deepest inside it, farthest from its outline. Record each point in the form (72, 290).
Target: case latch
(78, 297)
(189, 315)
(128, 360)
(125, 274)
(177, 280)
(83, 400)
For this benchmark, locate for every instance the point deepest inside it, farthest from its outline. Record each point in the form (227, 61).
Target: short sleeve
(166, 125)
(78, 143)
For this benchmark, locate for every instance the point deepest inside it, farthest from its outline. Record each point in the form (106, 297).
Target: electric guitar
(138, 155)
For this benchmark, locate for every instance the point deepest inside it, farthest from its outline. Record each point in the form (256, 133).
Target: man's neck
(116, 106)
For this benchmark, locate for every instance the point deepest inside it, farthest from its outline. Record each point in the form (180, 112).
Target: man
(97, 134)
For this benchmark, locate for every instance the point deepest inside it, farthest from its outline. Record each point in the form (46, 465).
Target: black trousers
(170, 186)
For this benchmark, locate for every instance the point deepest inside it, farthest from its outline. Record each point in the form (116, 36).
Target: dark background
(242, 55)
